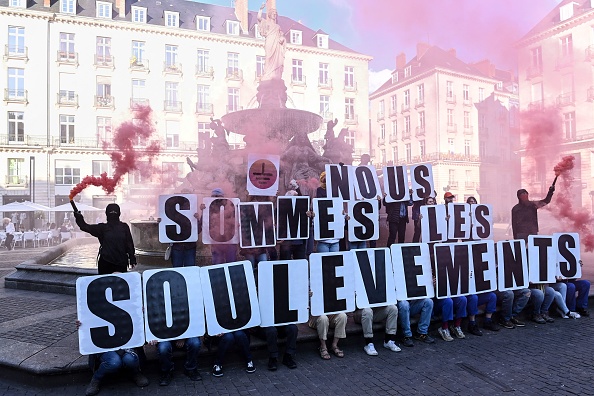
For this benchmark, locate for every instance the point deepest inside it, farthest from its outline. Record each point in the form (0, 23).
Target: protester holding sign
(322, 324)
(523, 215)
(422, 307)
(561, 289)
(327, 245)
(222, 252)
(295, 248)
(226, 341)
(568, 289)
(165, 352)
(271, 335)
(397, 218)
(368, 316)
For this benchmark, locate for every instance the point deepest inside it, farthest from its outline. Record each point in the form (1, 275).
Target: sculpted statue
(302, 159)
(274, 45)
(336, 148)
(219, 140)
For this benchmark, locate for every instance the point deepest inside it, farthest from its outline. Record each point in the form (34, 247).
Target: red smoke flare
(577, 219)
(125, 158)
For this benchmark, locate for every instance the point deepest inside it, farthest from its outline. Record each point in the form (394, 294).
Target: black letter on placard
(222, 302)
(340, 181)
(325, 218)
(376, 291)
(412, 271)
(280, 280)
(459, 220)
(260, 225)
(99, 306)
(396, 182)
(542, 244)
(481, 224)
(214, 215)
(331, 282)
(155, 304)
(420, 174)
(480, 266)
(512, 260)
(172, 214)
(567, 268)
(291, 218)
(366, 231)
(433, 234)
(368, 190)
(456, 272)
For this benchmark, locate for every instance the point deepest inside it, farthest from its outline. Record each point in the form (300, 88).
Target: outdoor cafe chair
(64, 236)
(29, 236)
(43, 237)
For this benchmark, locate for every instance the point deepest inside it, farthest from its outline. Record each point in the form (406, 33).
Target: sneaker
(165, 378)
(573, 315)
(250, 368)
(561, 314)
(217, 371)
(140, 379)
(474, 330)
(508, 324)
(538, 319)
(458, 333)
(370, 349)
(445, 334)
(288, 361)
(408, 342)
(193, 375)
(517, 322)
(547, 318)
(93, 388)
(583, 312)
(391, 345)
(490, 325)
(272, 364)
(426, 338)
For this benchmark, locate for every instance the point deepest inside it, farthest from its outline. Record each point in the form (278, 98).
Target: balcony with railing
(419, 103)
(232, 108)
(393, 138)
(381, 116)
(468, 130)
(351, 119)
(16, 52)
(467, 101)
(172, 68)
(77, 142)
(381, 141)
(590, 52)
(469, 184)
(327, 115)
(104, 102)
(430, 157)
(23, 140)
(204, 108)
(107, 61)
(451, 99)
(67, 58)
(393, 112)
(141, 65)
(405, 135)
(452, 128)
(534, 71)
(405, 107)
(453, 183)
(67, 99)
(16, 180)
(566, 99)
(204, 71)
(138, 102)
(16, 96)
(325, 83)
(420, 131)
(298, 80)
(350, 86)
(172, 106)
(233, 74)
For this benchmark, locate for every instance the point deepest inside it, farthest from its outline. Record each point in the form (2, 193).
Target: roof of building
(553, 18)
(435, 57)
(188, 10)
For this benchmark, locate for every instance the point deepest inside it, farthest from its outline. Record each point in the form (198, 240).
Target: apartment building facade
(74, 70)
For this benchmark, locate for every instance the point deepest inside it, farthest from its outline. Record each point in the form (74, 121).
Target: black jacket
(524, 216)
(115, 238)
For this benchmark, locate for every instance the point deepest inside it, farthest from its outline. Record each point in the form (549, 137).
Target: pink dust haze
(125, 158)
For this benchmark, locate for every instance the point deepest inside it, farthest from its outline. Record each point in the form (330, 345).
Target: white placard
(374, 278)
(328, 219)
(459, 221)
(412, 271)
(482, 221)
(542, 259)
(220, 221)
(363, 224)
(366, 182)
(421, 180)
(512, 265)
(568, 255)
(178, 223)
(262, 175)
(256, 224)
(434, 226)
(396, 183)
(292, 221)
(332, 282)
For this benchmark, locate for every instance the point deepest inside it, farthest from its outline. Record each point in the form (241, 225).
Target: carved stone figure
(274, 45)
(300, 161)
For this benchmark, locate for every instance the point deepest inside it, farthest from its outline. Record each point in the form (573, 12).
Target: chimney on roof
(422, 48)
(121, 6)
(485, 67)
(400, 61)
(47, 3)
(452, 51)
(241, 12)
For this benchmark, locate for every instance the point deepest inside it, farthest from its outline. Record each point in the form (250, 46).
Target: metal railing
(419, 131)
(204, 108)
(15, 180)
(172, 68)
(104, 60)
(565, 99)
(139, 65)
(452, 128)
(393, 138)
(533, 71)
(350, 87)
(202, 71)
(172, 106)
(351, 119)
(137, 102)
(300, 80)
(405, 107)
(104, 102)
(467, 101)
(16, 95)
(67, 99)
(468, 130)
(325, 83)
(231, 109)
(16, 52)
(381, 116)
(68, 57)
(327, 115)
(233, 74)
(419, 103)
(451, 99)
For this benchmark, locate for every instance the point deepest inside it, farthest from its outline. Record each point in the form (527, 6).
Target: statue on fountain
(336, 148)
(301, 159)
(220, 146)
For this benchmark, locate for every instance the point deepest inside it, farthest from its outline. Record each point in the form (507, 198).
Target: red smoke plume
(125, 158)
(577, 219)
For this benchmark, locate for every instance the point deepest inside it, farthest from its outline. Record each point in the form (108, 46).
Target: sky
(477, 29)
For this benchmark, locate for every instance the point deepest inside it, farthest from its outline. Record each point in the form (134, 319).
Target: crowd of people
(568, 297)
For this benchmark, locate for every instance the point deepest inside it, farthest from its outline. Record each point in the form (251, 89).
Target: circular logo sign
(262, 174)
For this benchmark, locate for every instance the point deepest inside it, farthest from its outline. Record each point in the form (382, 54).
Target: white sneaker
(574, 315)
(391, 345)
(445, 334)
(370, 349)
(458, 332)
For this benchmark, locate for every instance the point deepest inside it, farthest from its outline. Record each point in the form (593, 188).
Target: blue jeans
(541, 302)
(357, 245)
(475, 300)
(324, 247)
(224, 253)
(165, 352)
(227, 340)
(582, 287)
(112, 362)
(183, 257)
(423, 306)
(447, 307)
(513, 302)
